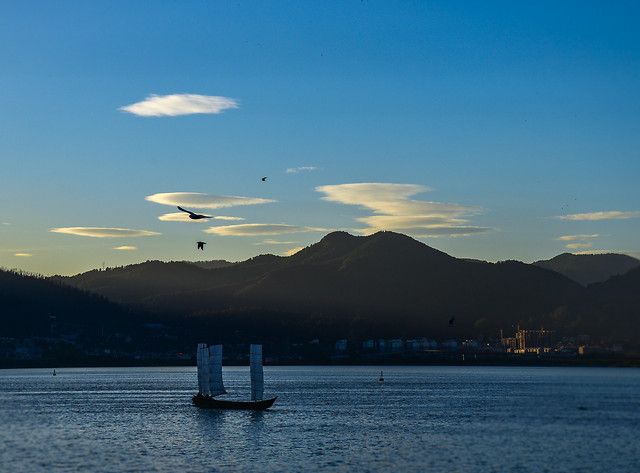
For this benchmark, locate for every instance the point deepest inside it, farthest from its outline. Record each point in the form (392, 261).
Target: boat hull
(207, 402)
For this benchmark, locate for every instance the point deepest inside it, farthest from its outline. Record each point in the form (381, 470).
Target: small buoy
(381, 377)
(54, 372)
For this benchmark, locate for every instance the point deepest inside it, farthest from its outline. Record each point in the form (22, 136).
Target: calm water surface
(420, 419)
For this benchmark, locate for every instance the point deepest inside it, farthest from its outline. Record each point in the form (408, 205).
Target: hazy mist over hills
(386, 284)
(587, 269)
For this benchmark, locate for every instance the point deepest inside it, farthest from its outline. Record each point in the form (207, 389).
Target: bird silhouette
(451, 323)
(193, 215)
(264, 178)
(201, 245)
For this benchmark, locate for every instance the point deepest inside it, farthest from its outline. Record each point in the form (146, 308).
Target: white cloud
(612, 215)
(203, 201)
(222, 217)
(578, 246)
(409, 221)
(23, 254)
(275, 242)
(179, 217)
(577, 237)
(99, 232)
(370, 194)
(126, 248)
(300, 169)
(184, 217)
(179, 104)
(251, 229)
(395, 211)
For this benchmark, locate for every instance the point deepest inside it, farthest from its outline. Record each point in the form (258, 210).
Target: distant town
(119, 349)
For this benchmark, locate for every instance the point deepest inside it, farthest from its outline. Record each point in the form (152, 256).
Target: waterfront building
(527, 339)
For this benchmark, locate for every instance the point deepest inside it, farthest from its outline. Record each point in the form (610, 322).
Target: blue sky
(490, 130)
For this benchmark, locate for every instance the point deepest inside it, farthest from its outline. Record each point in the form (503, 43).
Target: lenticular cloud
(394, 210)
(253, 229)
(613, 215)
(203, 201)
(179, 104)
(101, 232)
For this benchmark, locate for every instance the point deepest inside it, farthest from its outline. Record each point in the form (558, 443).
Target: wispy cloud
(23, 254)
(100, 232)
(251, 229)
(395, 211)
(577, 237)
(179, 104)
(203, 201)
(293, 251)
(223, 217)
(126, 248)
(275, 242)
(612, 215)
(183, 217)
(578, 246)
(300, 169)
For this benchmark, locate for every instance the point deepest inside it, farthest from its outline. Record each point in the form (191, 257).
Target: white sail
(203, 368)
(257, 375)
(216, 386)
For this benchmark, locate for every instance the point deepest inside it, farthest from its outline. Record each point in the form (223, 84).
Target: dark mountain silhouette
(618, 299)
(212, 264)
(379, 286)
(588, 269)
(386, 284)
(28, 301)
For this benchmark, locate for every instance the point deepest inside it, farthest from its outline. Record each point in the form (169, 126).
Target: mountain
(588, 269)
(28, 301)
(619, 299)
(218, 263)
(386, 284)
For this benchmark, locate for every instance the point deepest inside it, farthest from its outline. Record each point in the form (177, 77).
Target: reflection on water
(325, 419)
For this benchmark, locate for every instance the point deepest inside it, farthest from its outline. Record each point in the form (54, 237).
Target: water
(420, 419)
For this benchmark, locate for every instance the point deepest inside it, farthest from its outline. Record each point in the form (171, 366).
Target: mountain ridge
(388, 280)
(588, 269)
(382, 285)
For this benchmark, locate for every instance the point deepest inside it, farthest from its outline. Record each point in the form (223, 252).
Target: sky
(492, 130)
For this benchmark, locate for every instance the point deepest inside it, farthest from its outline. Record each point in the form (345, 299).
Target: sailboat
(210, 383)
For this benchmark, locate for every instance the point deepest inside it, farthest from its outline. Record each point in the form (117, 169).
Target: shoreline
(631, 360)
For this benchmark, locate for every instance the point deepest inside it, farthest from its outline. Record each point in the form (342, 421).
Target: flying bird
(192, 215)
(451, 321)
(201, 245)
(264, 178)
